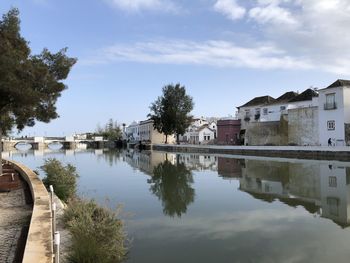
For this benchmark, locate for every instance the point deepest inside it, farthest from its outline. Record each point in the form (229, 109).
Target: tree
(111, 131)
(170, 112)
(29, 84)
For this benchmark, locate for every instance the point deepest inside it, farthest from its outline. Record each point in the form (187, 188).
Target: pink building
(229, 131)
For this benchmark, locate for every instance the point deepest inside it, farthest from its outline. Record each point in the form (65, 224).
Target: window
(257, 114)
(247, 113)
(330, 102)
(265, 111)
(332, 181)
(282, 108)
(331, 125)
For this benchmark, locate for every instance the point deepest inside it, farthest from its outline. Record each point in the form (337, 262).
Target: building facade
(132, 131)
(150, 135)
(334, 114)
(229, 131)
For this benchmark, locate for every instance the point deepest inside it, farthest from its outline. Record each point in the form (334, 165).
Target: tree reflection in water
(172, 185)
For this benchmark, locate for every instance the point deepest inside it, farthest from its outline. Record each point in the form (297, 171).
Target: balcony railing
(247, 118)
(330, 106)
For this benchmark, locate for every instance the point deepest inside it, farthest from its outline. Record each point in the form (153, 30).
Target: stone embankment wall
(267, 133)
(39, 246)
(298, 152)
(303, 126)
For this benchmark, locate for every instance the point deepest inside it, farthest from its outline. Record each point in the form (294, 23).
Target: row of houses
(201, 131)
(312, 117)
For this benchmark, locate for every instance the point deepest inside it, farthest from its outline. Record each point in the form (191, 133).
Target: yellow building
(150, 135)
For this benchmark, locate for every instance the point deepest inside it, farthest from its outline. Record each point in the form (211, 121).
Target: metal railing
(56, 234)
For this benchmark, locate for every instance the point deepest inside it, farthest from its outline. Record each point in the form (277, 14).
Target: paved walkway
(341, 153)
(268, 148)
(15, 213)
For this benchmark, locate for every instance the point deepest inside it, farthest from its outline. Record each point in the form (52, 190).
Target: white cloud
(209, 53)
(313, 29)
(230, 8)
(138, 5)
(272, 13)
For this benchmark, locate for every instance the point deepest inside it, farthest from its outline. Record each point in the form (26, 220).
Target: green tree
(111, 131)
(29, 84)
(171, 112)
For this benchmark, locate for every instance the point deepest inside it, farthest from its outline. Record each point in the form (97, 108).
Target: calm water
(192, 208)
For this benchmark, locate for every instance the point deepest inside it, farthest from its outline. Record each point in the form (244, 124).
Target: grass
(62, 178)
(97, 233)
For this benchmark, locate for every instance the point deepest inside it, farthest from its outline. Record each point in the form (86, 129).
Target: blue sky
(224, 51)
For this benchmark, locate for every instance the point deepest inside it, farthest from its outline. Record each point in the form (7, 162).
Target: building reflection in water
(321, 187)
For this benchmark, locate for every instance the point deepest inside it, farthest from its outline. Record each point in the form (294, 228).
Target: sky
(225, 52)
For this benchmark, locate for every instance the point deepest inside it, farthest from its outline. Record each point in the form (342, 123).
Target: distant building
(201, 130)
(132, 131)
(199, 135)
(334, 113)
(148, 134)
(228, 131)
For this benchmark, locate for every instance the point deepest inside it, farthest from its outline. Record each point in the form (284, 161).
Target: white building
(200, 135)
(334, 113)
(132, 131)
(267, 108)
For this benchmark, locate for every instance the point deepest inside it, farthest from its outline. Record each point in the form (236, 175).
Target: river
(196, 208)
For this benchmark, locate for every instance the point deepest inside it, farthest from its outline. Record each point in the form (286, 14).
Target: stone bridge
(68, 142)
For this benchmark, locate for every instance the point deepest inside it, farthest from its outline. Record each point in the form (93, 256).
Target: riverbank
(299, 152)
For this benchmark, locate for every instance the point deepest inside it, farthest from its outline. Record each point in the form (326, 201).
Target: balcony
(330, 106)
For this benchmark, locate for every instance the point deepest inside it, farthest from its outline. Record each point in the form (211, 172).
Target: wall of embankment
(39, 248)
(299, 152)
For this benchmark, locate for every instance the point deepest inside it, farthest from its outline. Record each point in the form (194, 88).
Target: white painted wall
(133, 131)
(205, 132)
(338, 115)
(274, 111)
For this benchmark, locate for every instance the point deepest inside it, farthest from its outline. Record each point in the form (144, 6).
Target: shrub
(97, 234)
(62, 178)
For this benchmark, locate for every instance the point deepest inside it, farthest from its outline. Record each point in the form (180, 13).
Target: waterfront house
(150, 135)
(264, 120)
(200, 135)
(229, 131)
(334, 113)
(132, 131)
(201, 130)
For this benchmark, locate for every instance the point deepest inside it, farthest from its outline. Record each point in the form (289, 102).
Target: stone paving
(15, 216)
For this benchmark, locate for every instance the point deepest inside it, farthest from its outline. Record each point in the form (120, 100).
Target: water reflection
(321, 187)
(171, 183)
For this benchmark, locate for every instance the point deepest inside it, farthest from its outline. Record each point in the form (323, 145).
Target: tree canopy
(171, 111)
(29, 84)
(111, 131)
